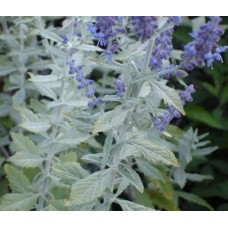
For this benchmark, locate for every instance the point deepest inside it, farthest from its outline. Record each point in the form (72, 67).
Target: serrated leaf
(50, 35)
(45, 90)
(93, 158)
(18, 202)
(24, 159)
(153, 151)
(194, 199)
(18, 182)
(87, 47)
(35, 127)
(5, 70)
(43, 78)
(19, 96)
(127, 172)
(106, 150)
(69, 172)
(121, 187)
(169, 95)
(23, 143)
(149, 170)
(109, 120)
(130, 206)
(90, 188)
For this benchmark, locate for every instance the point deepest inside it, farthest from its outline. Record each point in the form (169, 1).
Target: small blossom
(90, 92)
(120, 87)
(94, 102)
(65, 40)
(186, 94)
(210, 58)
(110, 51)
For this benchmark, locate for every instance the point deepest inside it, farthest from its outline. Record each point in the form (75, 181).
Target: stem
(149, 50)
(50, 154)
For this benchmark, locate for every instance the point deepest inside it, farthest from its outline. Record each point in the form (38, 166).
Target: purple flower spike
(205, 42)
(144, 27)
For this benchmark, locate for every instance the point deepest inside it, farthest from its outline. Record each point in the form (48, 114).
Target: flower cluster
(205, 42)
(120, 87)
(186, 95)
(144, 27)
(105, 28)
(160, 122)
(162, 49)
(84, 83)
(163, 45)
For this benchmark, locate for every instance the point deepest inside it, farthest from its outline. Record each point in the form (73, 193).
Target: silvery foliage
(57, 163)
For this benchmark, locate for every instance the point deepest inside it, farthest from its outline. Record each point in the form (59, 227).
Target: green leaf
(127, 172)
(169, 95)
(198, 177)
(224, 95)
(149, 170)
(194, 199)
(130, 206)
(35, 127)
(152, 151)
(24, 159)
(18, 182)
(69, 172)
(90, 188)
(23, 143)
(18, 202)
(110, 120)
(199, 114)
(214, 91)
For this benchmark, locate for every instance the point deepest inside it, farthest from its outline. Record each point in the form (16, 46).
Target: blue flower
(216, 56)
(65, 40)
(175, 19)
(162, 49)
(110, 51)
(205, 42)
(186, 95)
(84, 83)
(120, 87)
